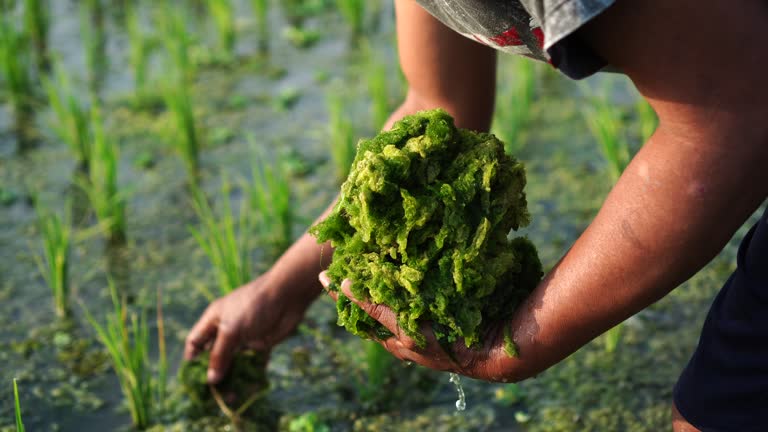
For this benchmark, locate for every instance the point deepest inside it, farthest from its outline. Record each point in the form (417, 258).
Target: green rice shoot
(223, 238)
(377, 88)
(139, 51)
(101, 185)
(514, 105)
(647, 118)
(94, 39)
(14, 68)
(606, 125)
(71, 122)
(125, 336)
(176, 41)
(17, 407)
(184, 135)
(342, 136)
(36, 23)
(224, 18)
(269, 198)
(353, 12)
(53, 262)
(261, 14)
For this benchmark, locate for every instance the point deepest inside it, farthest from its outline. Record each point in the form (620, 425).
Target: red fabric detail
(539, 33)
(509, 38)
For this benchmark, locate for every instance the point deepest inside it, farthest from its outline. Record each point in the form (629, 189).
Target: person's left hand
(471, 362)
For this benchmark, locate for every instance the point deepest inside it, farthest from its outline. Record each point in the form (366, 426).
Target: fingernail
(213, 376)
(346, 287)
(324, 279)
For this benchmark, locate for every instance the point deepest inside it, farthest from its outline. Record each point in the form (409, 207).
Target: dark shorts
(724, 387)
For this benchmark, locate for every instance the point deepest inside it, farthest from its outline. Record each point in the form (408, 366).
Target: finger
(380, 313)
(202, 332)
(227, 340)
(325, 280)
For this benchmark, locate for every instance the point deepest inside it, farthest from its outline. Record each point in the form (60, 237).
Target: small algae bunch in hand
(422, 226)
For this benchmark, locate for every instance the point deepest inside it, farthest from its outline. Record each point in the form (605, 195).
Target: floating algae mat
(422, 226)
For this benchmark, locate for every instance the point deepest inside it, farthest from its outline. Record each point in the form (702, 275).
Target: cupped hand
(472, 362)
(251, 317)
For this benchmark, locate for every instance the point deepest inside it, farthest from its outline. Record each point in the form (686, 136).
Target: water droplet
(461, 403)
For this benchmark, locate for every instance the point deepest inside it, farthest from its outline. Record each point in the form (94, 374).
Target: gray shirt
(539, 29)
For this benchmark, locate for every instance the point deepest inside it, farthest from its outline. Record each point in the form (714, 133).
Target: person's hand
(254, 316)
(472, 362)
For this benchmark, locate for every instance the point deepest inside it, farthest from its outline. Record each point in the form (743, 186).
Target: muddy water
(65, 380)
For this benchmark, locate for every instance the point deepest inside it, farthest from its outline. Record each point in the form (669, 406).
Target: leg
(680, 424)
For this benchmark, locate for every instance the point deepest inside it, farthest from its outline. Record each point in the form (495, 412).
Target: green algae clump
(422, 226)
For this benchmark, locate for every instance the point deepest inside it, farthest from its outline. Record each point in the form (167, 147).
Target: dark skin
(701, 65)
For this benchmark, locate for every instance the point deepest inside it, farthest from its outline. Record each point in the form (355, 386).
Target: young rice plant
(53, 262)
(514, 104)
(269, 197)
(377, 88)
(184, 134)
(125, 336)
(223, 238)
(101, 185)
(17, 407)
(342, 138)
(605, 123)
(14, 68)
(353, 12)
(36, 23)
(71, 122)
(647, 118)
(139, 51)
(223, 13)
(261, 14)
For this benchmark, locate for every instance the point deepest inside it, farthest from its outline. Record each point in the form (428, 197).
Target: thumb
(224, 346)
(379, 312)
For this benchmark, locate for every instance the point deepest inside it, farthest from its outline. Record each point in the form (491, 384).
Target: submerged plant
(36, 23)
(223, 238)
(53, 263)
(224, 17)
(17, 407)
(261, 13)
(184, 134)
(15, 68)
(422, 226)
(514, 104)
(101, 185)
(353, 12)
(269, 197)
(71, 122)
(342, 138)
(125, 336)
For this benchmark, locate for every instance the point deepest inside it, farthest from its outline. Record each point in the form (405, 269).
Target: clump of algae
(422, 226)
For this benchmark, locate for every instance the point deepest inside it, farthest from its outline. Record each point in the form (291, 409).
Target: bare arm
(679, 201)
(264, 312)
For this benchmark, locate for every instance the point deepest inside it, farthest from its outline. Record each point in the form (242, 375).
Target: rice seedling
(36, 22)
(613, 338)
(101, 185)
(176, 40)
(647, 118)
(53, 262)
(17, 407)
(94, 42)
(261, 13)
(125, 336)
(70, 115)
(514, 106)
(223, 13)
(342, 138)
(377, 88)
(269, 198)
(14, 69)
(140, 49)
(184, 133)
(353, 12)
(605, 122)
(223, 238)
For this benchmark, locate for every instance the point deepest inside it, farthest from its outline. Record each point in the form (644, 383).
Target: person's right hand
(254, 316)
